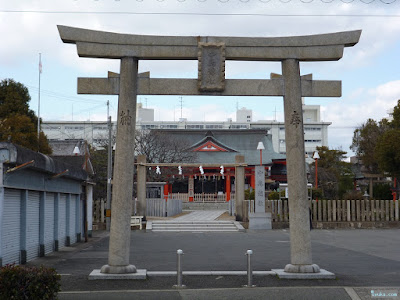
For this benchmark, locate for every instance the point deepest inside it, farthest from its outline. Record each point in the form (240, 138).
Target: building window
(74, 127)
(168, 126)
(149, 126)
(312, 129)
(239, 126)
(52, 127)
(214, 126)
(312, 141)
(100, 127)
(281, 128)
(281, 141)
(194, 126)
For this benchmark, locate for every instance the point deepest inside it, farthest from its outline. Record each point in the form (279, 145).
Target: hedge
(33, 283)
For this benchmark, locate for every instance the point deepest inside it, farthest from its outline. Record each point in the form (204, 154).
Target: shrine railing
(334, 210)
(199, 197)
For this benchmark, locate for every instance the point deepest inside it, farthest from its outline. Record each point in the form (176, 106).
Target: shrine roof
(240, 142)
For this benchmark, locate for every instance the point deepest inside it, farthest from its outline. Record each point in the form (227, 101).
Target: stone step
(193, 222)
(194, 226)
(195, 230)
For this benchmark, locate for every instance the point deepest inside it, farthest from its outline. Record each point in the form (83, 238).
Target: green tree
(382, 191)
(18, 123)
(99, 159)
(387, 149)
(334, 174)
(365, 140)
(395, 123)
(388, 152)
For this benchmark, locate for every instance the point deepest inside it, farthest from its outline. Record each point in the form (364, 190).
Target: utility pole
(38, 120)
(181, 101)
(109, 169)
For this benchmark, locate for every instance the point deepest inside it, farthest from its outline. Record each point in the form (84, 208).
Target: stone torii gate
(211, 53)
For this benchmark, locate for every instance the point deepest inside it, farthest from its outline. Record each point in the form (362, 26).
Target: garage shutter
(81, 223)
(62, 221)
(11, 226)
(49, 223)
(32, 226)
(72, 219)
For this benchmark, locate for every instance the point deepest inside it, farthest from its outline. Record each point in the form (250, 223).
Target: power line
(208, 14)
(64, 97)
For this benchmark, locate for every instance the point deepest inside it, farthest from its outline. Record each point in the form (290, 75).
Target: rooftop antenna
(181, 101)
(38, 117)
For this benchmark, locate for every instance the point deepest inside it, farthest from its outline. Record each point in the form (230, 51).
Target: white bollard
(179, 284)
(249, 253)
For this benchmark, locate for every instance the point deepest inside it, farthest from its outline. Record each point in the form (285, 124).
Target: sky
(369, 71)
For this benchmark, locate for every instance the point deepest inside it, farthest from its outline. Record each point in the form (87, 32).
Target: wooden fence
(199, 197)
(209, 197)
(157, 207)
(335, 210)
(99, 210)
(174, 207)
(179, 196)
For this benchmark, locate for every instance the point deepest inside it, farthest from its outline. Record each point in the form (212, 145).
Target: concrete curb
(323, 274)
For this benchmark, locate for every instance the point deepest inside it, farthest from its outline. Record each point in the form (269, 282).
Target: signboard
(191, 187)
(260, 190)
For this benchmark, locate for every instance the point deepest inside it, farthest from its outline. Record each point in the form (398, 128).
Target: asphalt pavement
(366, 263)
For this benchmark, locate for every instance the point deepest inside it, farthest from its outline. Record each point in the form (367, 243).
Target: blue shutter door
(32, 225)
(49, 223)
(62, 221)
(11, 227)
(72, 220)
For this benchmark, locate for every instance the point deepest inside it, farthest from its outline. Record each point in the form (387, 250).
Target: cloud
(39, 30)
(361, 104)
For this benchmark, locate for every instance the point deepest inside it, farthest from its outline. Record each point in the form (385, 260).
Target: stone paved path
(200, 215)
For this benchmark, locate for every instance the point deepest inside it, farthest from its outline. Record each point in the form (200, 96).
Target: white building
(244, 115)
(96, 132)
(144, 114)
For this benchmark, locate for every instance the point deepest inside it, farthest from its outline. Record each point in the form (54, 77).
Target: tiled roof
(244, 141)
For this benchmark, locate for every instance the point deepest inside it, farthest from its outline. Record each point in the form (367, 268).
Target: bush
(276, 195)
(249, 195)
(33, 283)
(317, 193)
(353, 195)
(382, 191)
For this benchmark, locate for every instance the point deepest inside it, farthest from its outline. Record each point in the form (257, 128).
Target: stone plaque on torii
(211, 53)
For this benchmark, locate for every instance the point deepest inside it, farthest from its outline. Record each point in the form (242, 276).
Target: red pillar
(166, 191)
(253, 179)
(228, 187)
(191, 188)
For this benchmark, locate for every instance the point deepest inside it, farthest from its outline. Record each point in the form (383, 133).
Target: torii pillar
(118, 257)
(300, 238)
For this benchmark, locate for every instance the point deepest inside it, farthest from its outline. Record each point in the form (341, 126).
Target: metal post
(109, 174)
(179, 284)
(249, 269)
